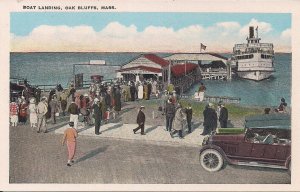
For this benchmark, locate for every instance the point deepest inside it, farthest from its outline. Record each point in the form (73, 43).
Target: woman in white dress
(32, 112)
(154, 88)
(140, 91)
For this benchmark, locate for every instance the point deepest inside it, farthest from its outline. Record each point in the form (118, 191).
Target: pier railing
(214, 99)
(49, 87)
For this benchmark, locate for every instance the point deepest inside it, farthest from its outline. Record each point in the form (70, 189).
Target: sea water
(54, 68)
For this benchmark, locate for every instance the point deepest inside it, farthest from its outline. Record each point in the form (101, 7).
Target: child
(70, 135)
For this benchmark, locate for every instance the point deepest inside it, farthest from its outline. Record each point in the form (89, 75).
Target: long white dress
(32, 112)
(140, 92)
(154, 84)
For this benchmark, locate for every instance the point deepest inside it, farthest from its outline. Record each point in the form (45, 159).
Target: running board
(254, 164)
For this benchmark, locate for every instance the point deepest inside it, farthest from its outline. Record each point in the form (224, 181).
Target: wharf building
(212, 65)
(180, 69)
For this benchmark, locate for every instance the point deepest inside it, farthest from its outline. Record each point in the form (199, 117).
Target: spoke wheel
(211, 160)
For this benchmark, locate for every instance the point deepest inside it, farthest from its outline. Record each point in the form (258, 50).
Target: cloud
(116, 37)
(286, 34)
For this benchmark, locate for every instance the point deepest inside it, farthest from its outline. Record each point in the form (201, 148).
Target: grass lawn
(235, 111)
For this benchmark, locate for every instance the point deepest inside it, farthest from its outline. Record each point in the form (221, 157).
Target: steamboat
(254, 60)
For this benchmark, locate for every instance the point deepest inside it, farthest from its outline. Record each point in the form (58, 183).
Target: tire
(211, 160)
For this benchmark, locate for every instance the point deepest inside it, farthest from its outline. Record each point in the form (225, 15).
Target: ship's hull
(254, 75)
(256, 67)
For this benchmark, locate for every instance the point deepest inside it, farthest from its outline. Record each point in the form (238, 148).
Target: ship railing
(239, 52)
(258, 45)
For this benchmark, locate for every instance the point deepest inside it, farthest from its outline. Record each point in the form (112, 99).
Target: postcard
(147, 95)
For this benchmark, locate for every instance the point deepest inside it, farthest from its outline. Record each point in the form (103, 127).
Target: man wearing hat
(223, 118)
(54, 107)
(97, 115)
(140, 121)
(210, 122)
(42, 109)
(170, 114)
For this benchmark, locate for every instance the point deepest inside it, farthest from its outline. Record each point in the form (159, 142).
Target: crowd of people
(103, 100)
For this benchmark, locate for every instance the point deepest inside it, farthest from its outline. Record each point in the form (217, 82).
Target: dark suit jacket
(140, 118)
(210, 118)
(97, 112)
(223, 114)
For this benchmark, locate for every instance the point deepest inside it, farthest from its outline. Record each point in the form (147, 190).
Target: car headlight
(205, 140)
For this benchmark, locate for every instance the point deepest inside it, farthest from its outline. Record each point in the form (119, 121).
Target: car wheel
(211, 160)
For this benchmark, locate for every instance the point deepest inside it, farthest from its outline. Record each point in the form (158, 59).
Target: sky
(144, 32)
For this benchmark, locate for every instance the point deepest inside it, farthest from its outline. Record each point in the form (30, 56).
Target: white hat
(32, 100)
(86, 95)
(210, 104)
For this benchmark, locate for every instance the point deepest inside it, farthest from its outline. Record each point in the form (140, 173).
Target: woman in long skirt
(23, 112)
(70, 135)
(32, 113)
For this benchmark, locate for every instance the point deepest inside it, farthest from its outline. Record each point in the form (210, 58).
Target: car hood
(226, 137)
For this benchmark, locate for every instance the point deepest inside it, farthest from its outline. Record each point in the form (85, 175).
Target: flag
(202, 46)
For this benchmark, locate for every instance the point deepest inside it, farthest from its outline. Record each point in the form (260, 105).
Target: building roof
(180, 69)
(140, 67)
(151, 57)
(196, 56)
(156, 59)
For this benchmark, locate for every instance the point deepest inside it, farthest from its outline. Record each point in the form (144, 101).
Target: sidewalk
(154, 134)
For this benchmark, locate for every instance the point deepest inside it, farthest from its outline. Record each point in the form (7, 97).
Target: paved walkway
(154, 134)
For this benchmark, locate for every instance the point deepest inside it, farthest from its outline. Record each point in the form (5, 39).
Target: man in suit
(170, 114)
(140, 121)
(210, 119)
(223, 118)
(97, 115)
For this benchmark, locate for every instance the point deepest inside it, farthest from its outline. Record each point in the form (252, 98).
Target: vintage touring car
(265, 141)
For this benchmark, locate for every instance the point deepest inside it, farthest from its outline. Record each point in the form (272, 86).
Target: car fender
(217, 148)
(288, 161)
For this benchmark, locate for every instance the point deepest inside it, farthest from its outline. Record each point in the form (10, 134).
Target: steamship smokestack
(251, 32)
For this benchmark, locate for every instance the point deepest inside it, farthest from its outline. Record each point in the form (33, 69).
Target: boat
(254, 60)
